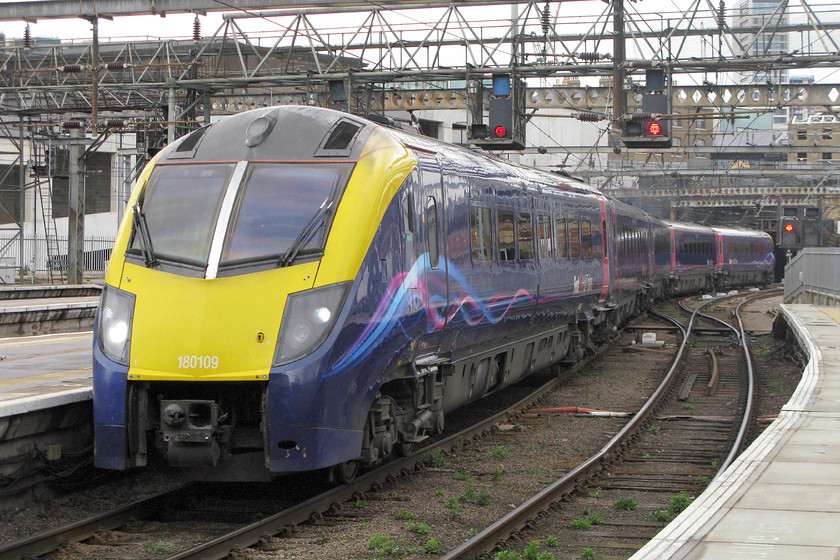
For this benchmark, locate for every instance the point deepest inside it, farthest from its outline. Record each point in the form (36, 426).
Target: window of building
(481, 233)
(802, 157)
(801, 134)
(826, 156)
(826, 134)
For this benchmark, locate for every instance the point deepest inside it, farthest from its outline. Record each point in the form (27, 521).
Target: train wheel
(346, 472)
(404, 448)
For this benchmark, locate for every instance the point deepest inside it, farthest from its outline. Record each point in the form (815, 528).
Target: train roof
(740, 232)
(688, 226)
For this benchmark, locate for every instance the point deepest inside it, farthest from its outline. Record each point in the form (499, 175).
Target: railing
(37, 263)
(813, 276)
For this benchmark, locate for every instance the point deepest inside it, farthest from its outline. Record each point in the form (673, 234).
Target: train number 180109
(198, 362)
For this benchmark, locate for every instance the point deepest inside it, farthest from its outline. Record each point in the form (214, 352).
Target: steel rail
(220, 547)
(747, 418)
(548, 498)
(247, 536)
(491, 537)
(44, 543)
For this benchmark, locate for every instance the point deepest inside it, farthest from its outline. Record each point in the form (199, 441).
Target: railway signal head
(654, 128)
(789, 234)
(645, 132)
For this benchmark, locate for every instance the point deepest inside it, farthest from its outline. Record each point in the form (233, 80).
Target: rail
(485, 541)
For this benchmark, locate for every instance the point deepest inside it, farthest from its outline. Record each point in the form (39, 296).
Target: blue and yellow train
(295, 288)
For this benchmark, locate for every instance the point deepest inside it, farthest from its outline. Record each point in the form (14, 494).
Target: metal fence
(39, 262)
(813, 276)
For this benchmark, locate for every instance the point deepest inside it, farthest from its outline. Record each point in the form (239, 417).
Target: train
(297, 289)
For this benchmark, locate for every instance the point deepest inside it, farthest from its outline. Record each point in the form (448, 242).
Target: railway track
(231, 537)
(683, 436)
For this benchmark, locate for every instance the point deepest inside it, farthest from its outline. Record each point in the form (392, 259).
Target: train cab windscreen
(281, 211)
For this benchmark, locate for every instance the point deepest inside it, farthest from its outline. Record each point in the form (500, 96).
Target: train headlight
(114, 328)
(307, 321)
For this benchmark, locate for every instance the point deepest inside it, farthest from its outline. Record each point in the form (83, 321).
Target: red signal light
(654, 128)
(500, 131)
(789, 227)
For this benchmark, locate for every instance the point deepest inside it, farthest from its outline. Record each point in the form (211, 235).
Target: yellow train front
(214, 343)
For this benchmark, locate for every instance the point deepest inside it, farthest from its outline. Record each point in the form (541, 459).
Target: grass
(596, 493)
(418, 528)
(499, 452)
(463, 475)
(688, 406)
(158, 547)
(432, 546)
(627, 504)
(676, 504)
(497, 474)
(581, 523)
(405, 516)
(383, 546)
(774, 384)
(483, 498)
(587, 554)
(434, 459)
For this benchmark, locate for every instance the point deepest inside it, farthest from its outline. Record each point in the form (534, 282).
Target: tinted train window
(408, 215)
(481, 233)
(526, 236)
(432, 225)
(282, 207)
(586, 238)
(546, 249)
(506, 236)
(181, 204)
(560, 235)
(574, 238)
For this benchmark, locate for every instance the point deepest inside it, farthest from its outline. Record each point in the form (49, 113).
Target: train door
(436, 263)
(609, 249)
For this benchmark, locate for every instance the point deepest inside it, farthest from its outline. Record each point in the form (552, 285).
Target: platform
(39, 372)
(20, 317)
(781, 498)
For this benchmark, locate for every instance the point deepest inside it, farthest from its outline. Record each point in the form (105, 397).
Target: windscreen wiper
(306, 234)
(141, 228)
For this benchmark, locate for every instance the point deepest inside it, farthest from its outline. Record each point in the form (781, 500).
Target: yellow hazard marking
(13, 343)
(35, 379)
(832, 312)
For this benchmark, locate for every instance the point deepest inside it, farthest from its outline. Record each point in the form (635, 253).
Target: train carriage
(745, 257)
(694, 258)
(295, 288)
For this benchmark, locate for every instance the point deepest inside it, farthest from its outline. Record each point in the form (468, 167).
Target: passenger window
(432, 226)
(546, 248)
(408, 215)
(506, 236)
(481, 233)
(574, 239)
(526, 236)
(560, 235)
(586, 238)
